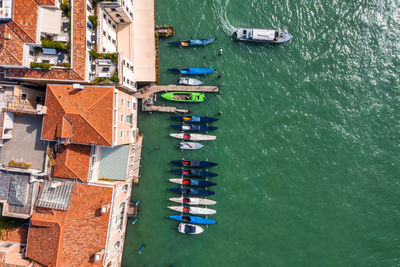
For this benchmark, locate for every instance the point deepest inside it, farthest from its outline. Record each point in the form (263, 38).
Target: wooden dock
(150, 90)
(148, 96)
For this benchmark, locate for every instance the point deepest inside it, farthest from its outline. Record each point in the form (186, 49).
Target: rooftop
(17, 192)
(73, 162)
(25, 144)
(82, 116)
(114, 162)
(24, 29)
(72, 237)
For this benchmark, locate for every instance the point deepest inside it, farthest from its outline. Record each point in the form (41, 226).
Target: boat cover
(261, 34)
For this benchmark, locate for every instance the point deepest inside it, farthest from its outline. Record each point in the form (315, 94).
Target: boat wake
(220, 8)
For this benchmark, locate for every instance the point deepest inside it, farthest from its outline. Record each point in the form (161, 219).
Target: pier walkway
(150, 90)
(148, 95)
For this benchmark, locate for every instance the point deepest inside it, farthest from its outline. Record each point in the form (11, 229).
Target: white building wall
(108, 34)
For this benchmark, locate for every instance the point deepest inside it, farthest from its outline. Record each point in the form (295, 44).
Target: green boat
(184, 96)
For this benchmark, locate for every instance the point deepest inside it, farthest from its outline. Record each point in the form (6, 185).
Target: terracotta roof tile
(72, 237)
(73, 162)
(83, 116)
(23, 29)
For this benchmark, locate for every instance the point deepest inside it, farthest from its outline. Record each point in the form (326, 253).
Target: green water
(308, 139)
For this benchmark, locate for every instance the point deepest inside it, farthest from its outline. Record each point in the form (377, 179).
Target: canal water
(308, 140)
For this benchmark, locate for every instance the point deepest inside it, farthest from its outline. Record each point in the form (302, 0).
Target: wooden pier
(148, 96)
(165, 31)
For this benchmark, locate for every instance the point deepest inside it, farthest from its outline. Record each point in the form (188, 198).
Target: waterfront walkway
(148, 96)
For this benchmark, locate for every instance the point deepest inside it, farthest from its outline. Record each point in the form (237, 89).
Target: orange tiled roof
(73, 162)
(82, 116)
(71, 237)
(23, 29)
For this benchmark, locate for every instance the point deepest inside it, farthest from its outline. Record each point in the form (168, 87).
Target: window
(122, 118)
(113, 9)
(128, 104)
(122, 204)
(114, 26)
(127, 134)
(104, 50)
(38, 99)
(104, 33)
(24, 96)
(118, 15)
(109, 38)
(104, 16)
(121, 134)
(125, 188)
(122, 102)
(109, 21)
(121, 20)
(113, 41)
(116, 245)
(129, 119)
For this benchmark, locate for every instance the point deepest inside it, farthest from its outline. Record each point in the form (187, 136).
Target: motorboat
(192, 191)
(193, 210)
(193, 42)
(262, 35)
(190, 145)
(192, 71)
(187, 228)
(184, 96)
(193, 163)
(192, 219)
(193, 127)
(193, 137)
(193, 173)
(192, 182)
(190, 81)
(193, 118)
(193, 201)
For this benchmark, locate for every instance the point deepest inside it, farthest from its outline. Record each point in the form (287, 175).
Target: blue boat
(192, 182)
(192, 191)
(195, 173)
(193, 163)
(192, 219)
(194, 127)
(193, 42)
(193, 118)
(192, 71)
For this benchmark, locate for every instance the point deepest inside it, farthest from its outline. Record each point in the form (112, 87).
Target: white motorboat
(193, 200)
(190, 145)
(189, 81)
(193, 137)
(187, 228)
(262, 35)
(193, 210)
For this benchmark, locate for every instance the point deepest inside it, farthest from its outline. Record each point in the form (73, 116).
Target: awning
(50, 20)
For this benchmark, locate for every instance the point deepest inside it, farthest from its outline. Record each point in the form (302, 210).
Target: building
(79, 41)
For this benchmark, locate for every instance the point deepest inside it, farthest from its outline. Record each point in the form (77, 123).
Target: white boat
(187, 228)
(193, 137)
(189, 81)
(190, 145)
(193, 210)
(193, 200)
(262, 35)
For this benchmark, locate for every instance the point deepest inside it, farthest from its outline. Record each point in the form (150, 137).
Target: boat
(192, 219)
(184, 96)
(186, 228)
(192, 182)
(189, 81)
(193, 200)
(195, 173)
(193, 210)
(192, 191)
(193, 118)
(141, 249)
(192, 71)
(194, 127)
(262, 35)
(193, 42)
(193, 137)
(190, 145)
(193, 163)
